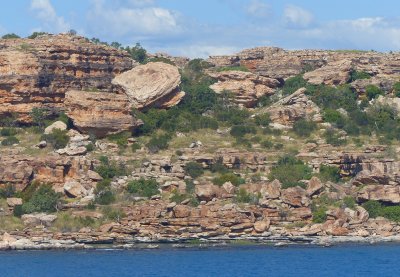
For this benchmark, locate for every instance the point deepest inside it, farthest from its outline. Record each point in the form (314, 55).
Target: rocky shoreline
(144, 244)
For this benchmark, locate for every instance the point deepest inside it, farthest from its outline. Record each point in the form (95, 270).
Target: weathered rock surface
(56, 125)
(388, 194)
(100, 113)
(38, 72)
(334, 73)
(247, 88)
(281, 64)
(151, 85)
(294, 107)
(38, 219)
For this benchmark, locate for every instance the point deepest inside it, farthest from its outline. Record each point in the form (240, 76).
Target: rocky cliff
(38, 72)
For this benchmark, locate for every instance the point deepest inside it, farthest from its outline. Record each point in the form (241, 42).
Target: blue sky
(212, 27)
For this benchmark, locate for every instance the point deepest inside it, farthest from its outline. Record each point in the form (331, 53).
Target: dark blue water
(355, 260)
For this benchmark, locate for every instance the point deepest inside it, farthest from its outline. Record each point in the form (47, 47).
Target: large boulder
(100, 113)
(74, 189)
(56, 125)
(207, 192)
(154, 84)
(38, 219)
(247, 87)
(388, 194)
(295, 197)
(36, 73)
(294, 107)
(335, 73)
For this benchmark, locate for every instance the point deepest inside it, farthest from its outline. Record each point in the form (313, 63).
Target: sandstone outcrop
(335, 73)
(151, 85)
(247, 88)
(19, 171)
(100, 113)
(294, 107)
(277, 63)
(38, 72)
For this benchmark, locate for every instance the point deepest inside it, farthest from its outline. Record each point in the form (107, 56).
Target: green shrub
(239, 131)
(358, 75)
(109, 170)
(121, 139)
(329, 173)
(28, 192)
(10, 36)
(278, 146)
(90, 147)
(289, 171)
(319, 215)
(294, 83)
(45, 199)
(143, 187)
(335, 117)
(349, 202)
(58, 138)
(7, 191)
(103, 192)
(136, 146)
(267, 144)
(332, 137)
(18, 211)
(38, 116)
(158, 142)
(262, 120)
(392, 213)
(228, 177)
(243, 196)
(36, 34)
(138, 53)
(113, 214)
(8, 132)
(373, 92)
(396, 89)
(304, 128)
(232, 115)
(219, 167)
(374, 208)
(10, 141)
(194, 169)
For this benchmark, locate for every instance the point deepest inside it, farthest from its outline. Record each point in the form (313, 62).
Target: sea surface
(343, 260)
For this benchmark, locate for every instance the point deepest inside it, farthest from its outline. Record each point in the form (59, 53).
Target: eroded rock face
(38, 72)
(294, 107)
(388, 194)
(100, 113)
(280, 64)
(247, 87)
(151, 85)
(335, 73)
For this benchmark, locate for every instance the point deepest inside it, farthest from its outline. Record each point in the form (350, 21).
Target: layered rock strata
(38, 72)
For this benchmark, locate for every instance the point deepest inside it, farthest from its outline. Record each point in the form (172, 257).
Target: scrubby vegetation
(194, 169)
(289, 171)
(143, 187)
(376, 209)
(57, 138)
(304, 128)
(44, 199)
(103, 193)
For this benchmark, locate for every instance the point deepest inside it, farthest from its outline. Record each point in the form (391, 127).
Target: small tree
(38, 116)
(45, 199)
(194, 169)
(304, 127)
(10, 36)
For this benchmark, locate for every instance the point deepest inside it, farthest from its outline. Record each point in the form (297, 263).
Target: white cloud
(297, 17)
(132, 21)
(141, 3)
(46, 13)
(258, 8)
(202, 51)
